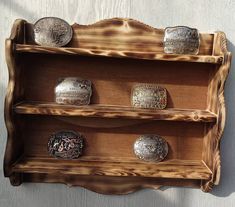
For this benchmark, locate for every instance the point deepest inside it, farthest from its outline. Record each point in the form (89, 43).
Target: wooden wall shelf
(115, 54)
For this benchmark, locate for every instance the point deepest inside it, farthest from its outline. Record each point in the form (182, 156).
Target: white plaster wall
(206, 15)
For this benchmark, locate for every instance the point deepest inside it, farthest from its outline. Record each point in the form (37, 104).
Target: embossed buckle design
(181, 40)
(52, 32)
(66, 145)
(73, 90)
(149, 96)
(151, 148)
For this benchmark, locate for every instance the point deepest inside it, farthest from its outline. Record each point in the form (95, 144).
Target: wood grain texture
(147, 55)
(112, 111)
(183, 169)
(122, 34)
(216, 104)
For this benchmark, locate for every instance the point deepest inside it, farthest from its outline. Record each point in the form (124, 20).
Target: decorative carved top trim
(121, 34)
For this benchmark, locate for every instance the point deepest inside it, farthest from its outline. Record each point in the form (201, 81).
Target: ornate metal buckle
(181, 40)
(149, 96)
(151, 148)
(72, 90)
(65, 145)
(52, 31)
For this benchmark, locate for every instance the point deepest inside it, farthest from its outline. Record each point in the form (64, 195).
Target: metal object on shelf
(66, 145)
(73, 90)
(52, 32)
(149, 96)
(151, 148)
(181, 40)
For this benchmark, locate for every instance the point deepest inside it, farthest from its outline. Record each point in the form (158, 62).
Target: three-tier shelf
(115, 54)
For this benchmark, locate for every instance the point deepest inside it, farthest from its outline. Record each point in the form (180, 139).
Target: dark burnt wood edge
(220, 47)
(16, 36)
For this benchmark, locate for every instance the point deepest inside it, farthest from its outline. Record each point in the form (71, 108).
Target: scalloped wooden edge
(220, 48)
(17, 33)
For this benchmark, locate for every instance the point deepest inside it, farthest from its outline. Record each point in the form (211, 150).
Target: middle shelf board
(184, 169)
(119, 54)
(114, 111)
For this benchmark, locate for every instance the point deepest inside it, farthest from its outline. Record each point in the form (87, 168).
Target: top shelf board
(118, 54)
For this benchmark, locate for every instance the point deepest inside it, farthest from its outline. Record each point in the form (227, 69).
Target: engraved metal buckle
(181, 40)
(52, 32)
(149, 96)
(73, 90)
(151, 148)
(65, 145)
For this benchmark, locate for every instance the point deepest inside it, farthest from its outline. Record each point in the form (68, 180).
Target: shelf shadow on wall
(227, 181)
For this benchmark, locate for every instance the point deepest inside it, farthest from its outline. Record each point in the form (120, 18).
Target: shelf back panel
(113, 78)
(113, 139)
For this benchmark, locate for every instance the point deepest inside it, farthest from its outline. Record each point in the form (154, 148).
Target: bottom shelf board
(180, 169)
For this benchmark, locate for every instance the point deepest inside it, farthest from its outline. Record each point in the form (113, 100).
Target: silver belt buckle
(52, 32)
(73, 91)
(66, 145)
(181, 40)
(151, 148)
(149, 96)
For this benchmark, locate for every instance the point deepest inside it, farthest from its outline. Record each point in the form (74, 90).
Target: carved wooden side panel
(14, 92)
(216, 104)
